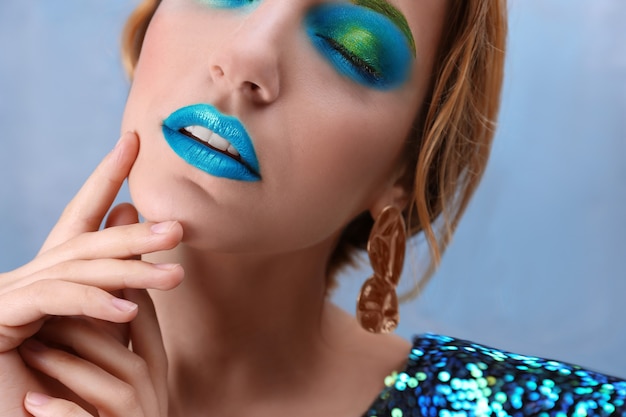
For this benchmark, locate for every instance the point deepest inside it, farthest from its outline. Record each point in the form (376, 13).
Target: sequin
(447, 377)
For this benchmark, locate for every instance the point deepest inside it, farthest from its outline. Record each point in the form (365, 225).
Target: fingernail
(119, 142)
(124, 305)
(34, 345)
(124, 136)
(37, 399)
(162, 228)
(166, 267)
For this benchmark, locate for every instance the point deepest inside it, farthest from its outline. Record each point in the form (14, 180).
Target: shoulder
(448, 377)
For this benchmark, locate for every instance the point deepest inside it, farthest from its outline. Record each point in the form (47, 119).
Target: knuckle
(89, 295)
(127, 397)
(61, 270)
(69, 249)
(139, 368)
(40, 289)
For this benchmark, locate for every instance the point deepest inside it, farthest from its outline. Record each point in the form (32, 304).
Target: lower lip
(207, 159)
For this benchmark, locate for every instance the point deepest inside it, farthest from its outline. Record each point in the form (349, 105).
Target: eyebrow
(388, 10)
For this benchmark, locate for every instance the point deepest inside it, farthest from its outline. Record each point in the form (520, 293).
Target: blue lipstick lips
(200, 154)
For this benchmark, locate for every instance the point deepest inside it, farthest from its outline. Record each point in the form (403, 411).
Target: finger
(121, 215)
(80, 335)
(122, 242)
(102, 350)
(87, 209)
(23, 310)
(109, 274)
(41, 405)
(15, 380)
(78, 288)
(147, 363)
(110, 395)
(145, 368)
(98, 355)
(147, 342)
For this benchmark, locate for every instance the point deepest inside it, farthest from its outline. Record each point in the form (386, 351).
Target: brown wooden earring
(377, 305)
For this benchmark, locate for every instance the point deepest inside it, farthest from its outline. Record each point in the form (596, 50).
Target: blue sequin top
(447, 377)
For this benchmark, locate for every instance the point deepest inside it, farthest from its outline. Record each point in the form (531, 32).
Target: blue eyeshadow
(361, 44)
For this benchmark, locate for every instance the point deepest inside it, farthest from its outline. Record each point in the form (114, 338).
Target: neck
(242, 318)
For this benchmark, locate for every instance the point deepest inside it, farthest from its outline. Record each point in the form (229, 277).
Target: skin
(72, 273)
(249, 330)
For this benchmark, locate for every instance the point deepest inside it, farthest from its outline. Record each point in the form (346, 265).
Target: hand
(77, 269)
(111, 380)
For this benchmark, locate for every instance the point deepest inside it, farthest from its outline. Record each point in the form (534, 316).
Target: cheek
(168, 69)
(341, 167)
(148, 77)
(356, 150)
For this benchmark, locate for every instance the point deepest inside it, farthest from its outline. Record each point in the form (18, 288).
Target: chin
(160, 198)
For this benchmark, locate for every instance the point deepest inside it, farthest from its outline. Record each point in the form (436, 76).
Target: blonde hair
(450, 142)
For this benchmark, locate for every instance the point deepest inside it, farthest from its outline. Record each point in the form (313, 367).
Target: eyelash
(365, 70)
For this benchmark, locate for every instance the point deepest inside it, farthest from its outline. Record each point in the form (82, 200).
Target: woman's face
(317, 99)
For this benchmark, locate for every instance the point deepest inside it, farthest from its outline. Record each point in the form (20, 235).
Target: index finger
(87, 209)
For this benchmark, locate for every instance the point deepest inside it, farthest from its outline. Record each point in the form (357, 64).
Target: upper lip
(228, 127)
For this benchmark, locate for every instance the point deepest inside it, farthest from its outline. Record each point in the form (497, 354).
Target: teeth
(219, 142)
(212, 139)
(200, 132)
(231, 150)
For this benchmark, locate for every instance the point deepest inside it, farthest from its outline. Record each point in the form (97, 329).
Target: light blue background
(539, 262)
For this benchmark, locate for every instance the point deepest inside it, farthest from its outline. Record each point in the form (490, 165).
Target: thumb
(122, 215)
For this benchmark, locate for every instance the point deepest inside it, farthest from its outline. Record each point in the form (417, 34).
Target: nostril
(254, 91)
(218, 71)
(258, 93)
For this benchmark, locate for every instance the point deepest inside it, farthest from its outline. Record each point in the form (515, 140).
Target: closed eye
(360, 64)
(361, 44)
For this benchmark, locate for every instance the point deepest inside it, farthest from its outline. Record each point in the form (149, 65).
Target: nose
(247, 63)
